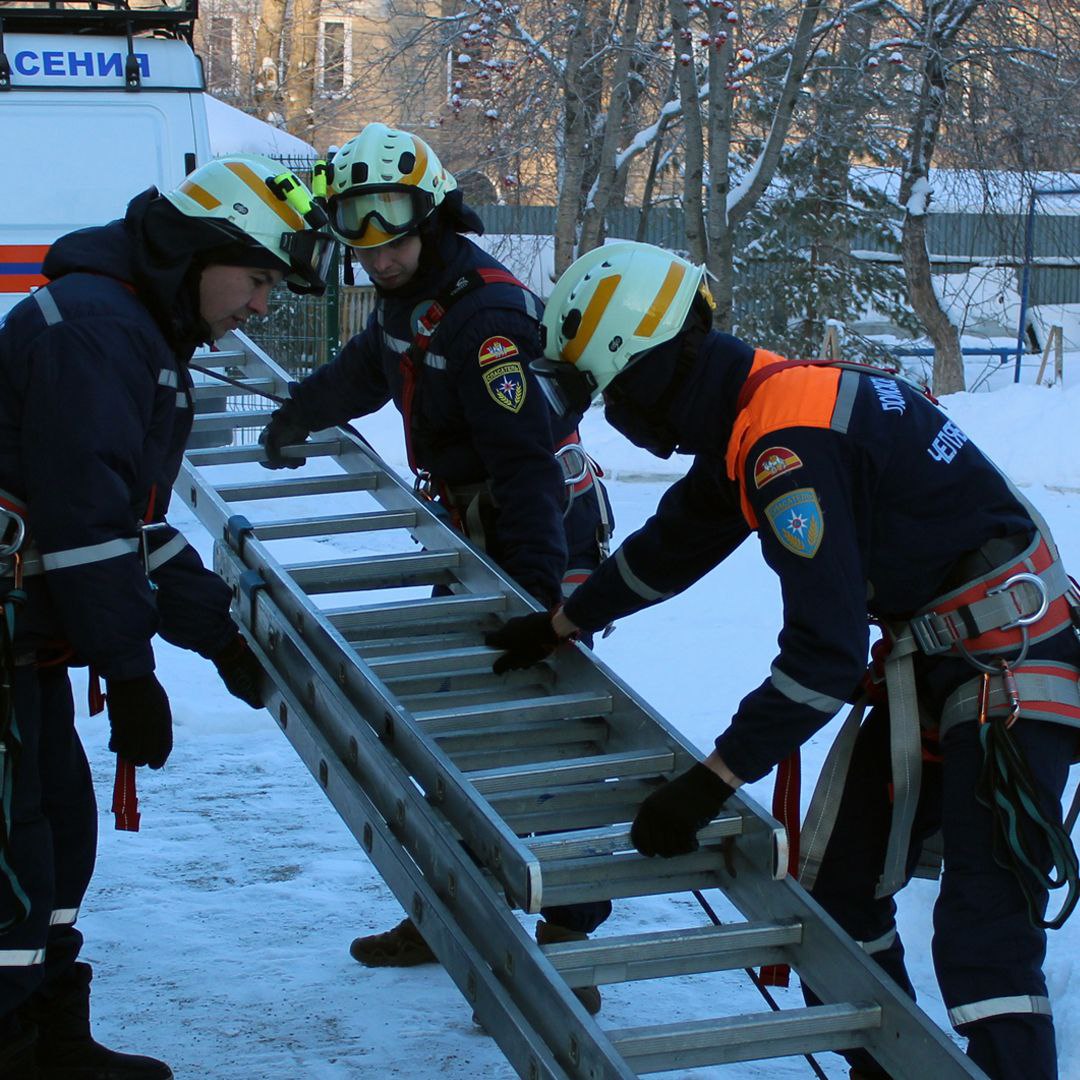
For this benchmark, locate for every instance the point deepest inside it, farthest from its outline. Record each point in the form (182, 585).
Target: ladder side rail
(493, 960)
(280, 606)
(908, 1043)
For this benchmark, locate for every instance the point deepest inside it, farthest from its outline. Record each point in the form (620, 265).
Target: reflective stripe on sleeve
(803, 695)
(47, 305)
(879, 944)
(168, 377)
(92, 553)
(64, 916)
(167, 551)
(21, 957)
(633, 582)
(975, 1011)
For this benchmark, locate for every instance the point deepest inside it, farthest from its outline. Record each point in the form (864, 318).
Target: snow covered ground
(219, 933)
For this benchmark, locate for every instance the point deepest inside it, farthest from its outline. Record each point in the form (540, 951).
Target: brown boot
(548, 933)
(401, 947)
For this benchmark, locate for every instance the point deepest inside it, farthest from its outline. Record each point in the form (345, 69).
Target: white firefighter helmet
(257, 203)
(383, 184)
(608, 308)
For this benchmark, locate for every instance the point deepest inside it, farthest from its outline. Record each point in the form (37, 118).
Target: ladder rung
(721, 1040)
(602, 767)
(475, 658)
(522, 735)
(244, 453)
(428, 611)
(212, 390)
(287, 488)
(420, 640)
(221, 358)
(224, 421)
(374, 571)
(571, 806)
(553, 707)
(584, 843)
(470, 760)
(337, 524)
(453, 688)
(659, 955)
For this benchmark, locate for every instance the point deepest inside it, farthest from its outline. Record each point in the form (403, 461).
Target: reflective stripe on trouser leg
(987, 954)
(22, 948)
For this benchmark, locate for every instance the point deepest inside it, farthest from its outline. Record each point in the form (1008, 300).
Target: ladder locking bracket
(250, 583)
(236, 528)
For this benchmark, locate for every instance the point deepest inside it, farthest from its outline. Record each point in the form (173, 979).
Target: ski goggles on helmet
(568, 388)
(311, 254)
(378, 213)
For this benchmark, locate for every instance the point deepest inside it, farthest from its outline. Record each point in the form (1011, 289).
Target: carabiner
(1008, 681)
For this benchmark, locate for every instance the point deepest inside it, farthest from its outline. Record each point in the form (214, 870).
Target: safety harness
(466, 503)
(990, 620)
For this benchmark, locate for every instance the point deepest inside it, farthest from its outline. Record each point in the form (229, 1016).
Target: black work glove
(141, 720)
(528, 639)
(668, 821)
(284, 429)
(241, 671)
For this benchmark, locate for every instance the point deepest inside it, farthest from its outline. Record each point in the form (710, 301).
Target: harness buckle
(564, 455)
(927, 636)
(8, 520)
(144, 544)
(424, 486)
(1020, 579)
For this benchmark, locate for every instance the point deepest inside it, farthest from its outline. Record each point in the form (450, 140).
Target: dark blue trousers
(987, 955)
(53, 839)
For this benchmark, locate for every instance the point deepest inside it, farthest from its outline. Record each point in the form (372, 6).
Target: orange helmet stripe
(420, 167)
(605, 289)
(282, 209)
(662, 300)
(200, 195)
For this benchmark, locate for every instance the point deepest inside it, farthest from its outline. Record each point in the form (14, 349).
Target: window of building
(335, 56)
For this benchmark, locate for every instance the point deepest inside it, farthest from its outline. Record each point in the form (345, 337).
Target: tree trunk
(268, 58)
(721, 239)
(694, 162)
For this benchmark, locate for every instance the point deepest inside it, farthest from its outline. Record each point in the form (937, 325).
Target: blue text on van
(60, 64)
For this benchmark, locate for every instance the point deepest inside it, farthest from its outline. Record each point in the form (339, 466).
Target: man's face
(392, 265)
(229, 295)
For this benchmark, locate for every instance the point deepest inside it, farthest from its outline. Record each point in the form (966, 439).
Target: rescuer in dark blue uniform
(450, 343)
(870, 504)
(95, 410)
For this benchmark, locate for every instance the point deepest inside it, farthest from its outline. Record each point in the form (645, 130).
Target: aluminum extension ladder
(475, 794)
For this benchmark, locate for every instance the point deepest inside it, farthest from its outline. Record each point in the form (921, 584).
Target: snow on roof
(235, 132)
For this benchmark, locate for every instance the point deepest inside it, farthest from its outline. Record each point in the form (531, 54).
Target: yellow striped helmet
(383, 184)
(254, 201)
(610, 306)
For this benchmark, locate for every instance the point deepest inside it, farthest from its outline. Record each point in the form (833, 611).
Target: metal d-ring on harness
(12, 539)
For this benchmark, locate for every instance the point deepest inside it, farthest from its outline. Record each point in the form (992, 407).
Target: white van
(89, 117)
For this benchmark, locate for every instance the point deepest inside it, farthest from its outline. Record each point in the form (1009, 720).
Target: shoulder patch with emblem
(506, 384)
(797, 521)
(774, 462)
(495, 349)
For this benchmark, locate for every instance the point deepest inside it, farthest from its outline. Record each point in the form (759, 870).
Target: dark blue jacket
(864, 521)
(95, 410)
(478, 413)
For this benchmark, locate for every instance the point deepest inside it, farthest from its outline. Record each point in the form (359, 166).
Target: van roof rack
(100, 17)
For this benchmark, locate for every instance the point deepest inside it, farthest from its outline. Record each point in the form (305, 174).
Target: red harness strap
(786, 810)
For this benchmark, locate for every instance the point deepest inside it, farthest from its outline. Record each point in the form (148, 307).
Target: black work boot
(401, 947)
(66, 1050)
(18, 1057)
(548, 933)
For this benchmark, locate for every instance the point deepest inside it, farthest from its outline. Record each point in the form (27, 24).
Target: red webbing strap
(428, 323)
(125, 802)
(785, 808)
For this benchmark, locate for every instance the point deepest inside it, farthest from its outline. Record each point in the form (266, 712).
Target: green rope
(1022, 832)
